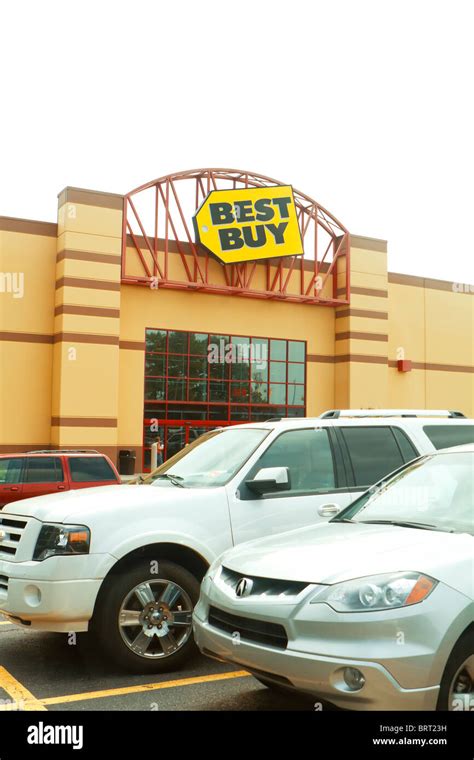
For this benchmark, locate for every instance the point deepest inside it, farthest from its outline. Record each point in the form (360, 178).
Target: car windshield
(435, 492)
(210, 461)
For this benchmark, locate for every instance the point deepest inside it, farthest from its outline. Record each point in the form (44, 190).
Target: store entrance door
(175, 435)
(178, 435)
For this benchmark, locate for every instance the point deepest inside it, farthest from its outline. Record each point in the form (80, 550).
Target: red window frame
(164, 405)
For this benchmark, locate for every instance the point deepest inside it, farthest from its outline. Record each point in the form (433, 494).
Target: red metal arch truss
(165, 207)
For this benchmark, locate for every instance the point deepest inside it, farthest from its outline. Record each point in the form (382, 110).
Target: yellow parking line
(22, 699)
(144, 687)
(26, 701)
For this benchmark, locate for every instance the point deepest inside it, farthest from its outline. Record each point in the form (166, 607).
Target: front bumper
(57, 594)
(319, 676)
(401, 653)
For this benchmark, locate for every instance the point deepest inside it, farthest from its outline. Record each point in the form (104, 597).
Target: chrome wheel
(461, 692)
(155, 618)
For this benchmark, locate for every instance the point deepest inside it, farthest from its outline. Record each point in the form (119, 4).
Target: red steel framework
(169, 204)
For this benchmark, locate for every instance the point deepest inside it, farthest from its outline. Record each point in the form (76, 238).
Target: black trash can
(126, 461)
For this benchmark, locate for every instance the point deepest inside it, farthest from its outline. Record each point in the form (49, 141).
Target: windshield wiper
(400, 524)
(174, 479)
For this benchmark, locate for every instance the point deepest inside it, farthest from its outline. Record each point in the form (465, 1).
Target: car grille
(14, 528)
(263, 586)
(258, 631)
(3, 583)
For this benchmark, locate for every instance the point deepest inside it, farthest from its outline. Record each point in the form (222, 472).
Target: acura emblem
(244, 587)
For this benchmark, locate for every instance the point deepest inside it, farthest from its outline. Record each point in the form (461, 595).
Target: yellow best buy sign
(249, 224)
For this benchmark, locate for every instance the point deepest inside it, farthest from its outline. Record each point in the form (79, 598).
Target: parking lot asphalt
(44, 671)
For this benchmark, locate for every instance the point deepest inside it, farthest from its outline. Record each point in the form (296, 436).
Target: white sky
(366, 105)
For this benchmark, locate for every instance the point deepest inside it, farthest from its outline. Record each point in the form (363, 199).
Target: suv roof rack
(64, 451)
(337, 413)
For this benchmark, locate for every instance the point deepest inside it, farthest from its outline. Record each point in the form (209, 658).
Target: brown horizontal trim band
(90, 198)
(405, 279)
(132, 345)
(430, 366)
(86, 311)
(23, 337)
(99, 258)
(374, 292)
(28, 226)
(325, 359)
(82, 282)
(61, 337)
(20, 448)
(172, 245)
(187, 250)
(71, 337)
(394, 278)
(365, 358)
(368, 243)
(353, 335)
(367, 313)
(99, 422)
(321, 358)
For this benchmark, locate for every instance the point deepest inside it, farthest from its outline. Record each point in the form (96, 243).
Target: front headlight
(377, 592)
(56, 540)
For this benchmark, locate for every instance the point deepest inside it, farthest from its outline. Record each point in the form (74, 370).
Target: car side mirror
(270, 479)
(328, 510)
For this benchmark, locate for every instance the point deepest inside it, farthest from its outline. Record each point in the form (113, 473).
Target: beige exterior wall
(26, 332)
(435, 331)
(72, 349)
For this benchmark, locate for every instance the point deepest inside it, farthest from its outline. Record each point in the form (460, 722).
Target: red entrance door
(176, 435)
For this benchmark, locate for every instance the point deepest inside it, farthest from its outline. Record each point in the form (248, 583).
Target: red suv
(36, 473)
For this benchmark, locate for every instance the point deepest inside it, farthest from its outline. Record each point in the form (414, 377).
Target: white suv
(127, 561)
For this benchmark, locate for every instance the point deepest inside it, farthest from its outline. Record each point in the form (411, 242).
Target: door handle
(326, 510)
(61, 488)
(14, 488)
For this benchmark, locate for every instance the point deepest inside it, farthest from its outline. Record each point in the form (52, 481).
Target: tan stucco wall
(435, 329)
(26, 330)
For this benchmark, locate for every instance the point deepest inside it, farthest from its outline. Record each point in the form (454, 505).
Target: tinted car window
(444, 436)
(307, 454)
(406, 447)
(90, 469)
(44, 470)
(10, 469)
(374, 452)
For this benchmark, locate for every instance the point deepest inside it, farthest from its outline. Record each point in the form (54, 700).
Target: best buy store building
(207, 298)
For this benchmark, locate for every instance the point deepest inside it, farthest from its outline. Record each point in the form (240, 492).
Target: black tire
(105, 624)
(463, 649)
